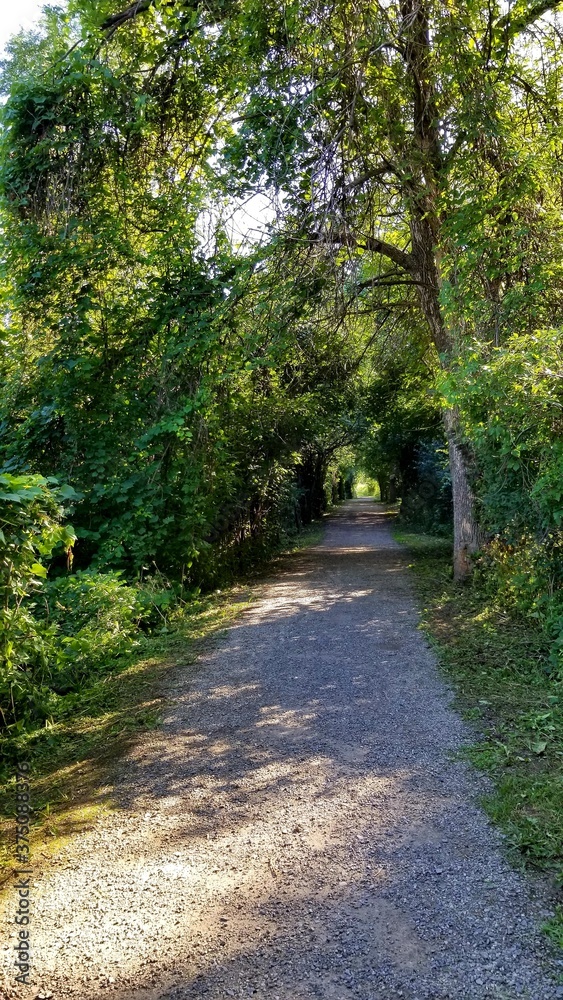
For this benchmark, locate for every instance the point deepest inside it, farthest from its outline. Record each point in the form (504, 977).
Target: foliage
(95, 617)
(182, 387)
(365, 486)
(510, 400)
(207, 396)
(76, 630)
(403, 447)
(30, 531)
(426, 504)
(56, 635)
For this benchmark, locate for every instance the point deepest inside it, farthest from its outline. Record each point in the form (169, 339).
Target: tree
(407, 142)
(180, 385)
(391, 110)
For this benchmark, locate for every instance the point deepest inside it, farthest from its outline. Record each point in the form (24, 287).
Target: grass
(498, 662)
(73, 756)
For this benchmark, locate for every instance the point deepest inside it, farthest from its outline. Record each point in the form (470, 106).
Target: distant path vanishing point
(298, 828)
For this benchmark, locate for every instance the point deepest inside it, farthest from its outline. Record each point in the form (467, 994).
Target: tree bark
(422, 192)
(466, 528)
(467, 537)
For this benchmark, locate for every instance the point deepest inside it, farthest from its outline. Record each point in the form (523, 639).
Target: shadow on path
(299, 828)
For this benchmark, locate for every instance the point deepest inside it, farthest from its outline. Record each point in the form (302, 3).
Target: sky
(16, 14)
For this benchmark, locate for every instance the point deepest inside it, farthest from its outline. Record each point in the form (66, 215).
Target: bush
(57, 635)
(426, 504)
(30, 531)
(91, 619)
(510, 401)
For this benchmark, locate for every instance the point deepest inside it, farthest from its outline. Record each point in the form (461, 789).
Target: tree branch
(388, 283)
(406, 261)
(114, 21)
(523, 15)
(375, 174)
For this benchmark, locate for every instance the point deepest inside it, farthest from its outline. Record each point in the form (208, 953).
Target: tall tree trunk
(467, 536)
(466, 530)
(422, 192)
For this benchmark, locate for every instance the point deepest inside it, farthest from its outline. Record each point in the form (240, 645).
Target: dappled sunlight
(289, 802)
(227, 691)
(235, 871)
(275, 716)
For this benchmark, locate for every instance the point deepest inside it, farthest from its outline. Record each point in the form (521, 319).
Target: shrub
(426, 504)
(31, 513)
(92, 618)
(510, 401)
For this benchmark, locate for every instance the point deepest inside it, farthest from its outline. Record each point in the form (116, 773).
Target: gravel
(299, 827)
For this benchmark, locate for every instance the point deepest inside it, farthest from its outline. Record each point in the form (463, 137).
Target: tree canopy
(199, 390)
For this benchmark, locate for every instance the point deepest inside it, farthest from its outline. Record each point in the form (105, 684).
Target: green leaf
(38, 570)
(67, 492)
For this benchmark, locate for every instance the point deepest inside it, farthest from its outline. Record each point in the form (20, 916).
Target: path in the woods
(299, 829)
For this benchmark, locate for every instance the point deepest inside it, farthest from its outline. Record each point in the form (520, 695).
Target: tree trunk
(466, 530)
(422, 191)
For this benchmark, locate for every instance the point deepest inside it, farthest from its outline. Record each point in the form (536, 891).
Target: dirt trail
(298, 829)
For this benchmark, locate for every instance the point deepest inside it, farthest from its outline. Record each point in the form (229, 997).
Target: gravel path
(298, 828)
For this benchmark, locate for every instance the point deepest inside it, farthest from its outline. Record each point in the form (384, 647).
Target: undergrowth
(502, 673)
(72, 752)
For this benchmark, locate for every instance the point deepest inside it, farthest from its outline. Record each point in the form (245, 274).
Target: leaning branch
(376, 174)
(523, 15)
(390, 283)
(404, 260)
(115, 21)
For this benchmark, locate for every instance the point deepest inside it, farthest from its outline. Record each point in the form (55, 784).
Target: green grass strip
(498, 663)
